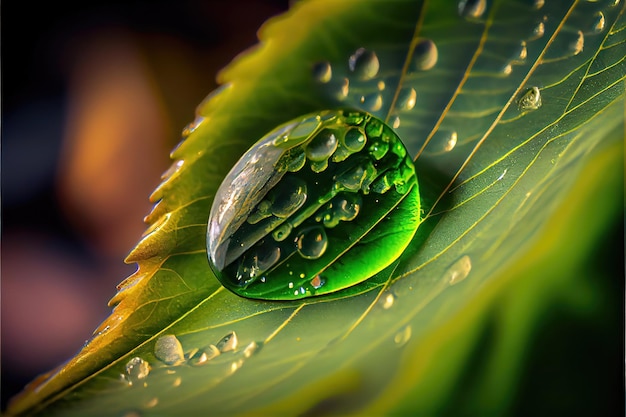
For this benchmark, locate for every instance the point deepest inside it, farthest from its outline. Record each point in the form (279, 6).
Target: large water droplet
(364, 64)
(425, 55)
(531, 100)
(322, 72)
(472, 8)
(312, 243)
(137, 369)
(168, 350)
(387, 300)
(372, 102)
(458, 271)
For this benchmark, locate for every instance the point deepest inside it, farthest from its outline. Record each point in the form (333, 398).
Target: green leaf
(517, 132)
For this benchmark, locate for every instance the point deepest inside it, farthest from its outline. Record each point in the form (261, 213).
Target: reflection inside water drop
(531, 100)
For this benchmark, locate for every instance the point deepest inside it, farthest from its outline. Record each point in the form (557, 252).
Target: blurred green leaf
(517, 129)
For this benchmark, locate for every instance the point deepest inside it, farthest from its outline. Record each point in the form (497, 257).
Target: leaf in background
(508, 106)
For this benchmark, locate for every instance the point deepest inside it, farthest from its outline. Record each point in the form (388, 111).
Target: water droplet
(472, 8)
(444, 140)
(137, 369)
(282, 232)
(318, 281)
(173, 169)
(507, 69)
(531, 100)
(403, 336)
(380, 85)
(204, 355)
(599, 22)
(521, 54)
(354, 139)
(538, 31)
(538, 4)
(458, 271)
(191, 127)
(344, 89)
(322, 72)
(250, 349)
(227, 343)
(288, 196)
(152, 402)
(312, 243)
(372, 102)
(364, 64)
(425, 55)
(577, 46)
(321, 146)
(264, 214)
(387, 300)
(407, 98)
(168, 349)
(395, 122)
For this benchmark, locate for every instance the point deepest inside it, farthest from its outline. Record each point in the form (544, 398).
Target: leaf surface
(496, 170)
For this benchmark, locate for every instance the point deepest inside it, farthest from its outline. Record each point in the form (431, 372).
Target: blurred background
(94, 96)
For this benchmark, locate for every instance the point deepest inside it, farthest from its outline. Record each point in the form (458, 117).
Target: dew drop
(227, 343)
(380, 85)
(577, 46)
(387, 301)
(403, 336)
(458, 271)
(282, 232)
(288, 196)
(318, 281)
(444, 141)
(322, 146)
(354, 139)
(137, 369)
(425, 55)
(395, 122)
(407, 98)
(152, 402)
(364, 64)
(173, 169)
(538, 4)
(599, 22)
(204, 355)
(472, 8)
(312, 243)
(191, 127)
(250, 349)
(322, 72)
(521, 55)
(507, 69)
(531, 100)
(344, 89)
(538, 31)
(372, 102)
(168, 350)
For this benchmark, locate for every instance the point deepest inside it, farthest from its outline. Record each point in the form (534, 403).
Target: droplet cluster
(303, 196)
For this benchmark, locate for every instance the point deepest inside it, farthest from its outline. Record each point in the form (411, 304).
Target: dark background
(94, 96)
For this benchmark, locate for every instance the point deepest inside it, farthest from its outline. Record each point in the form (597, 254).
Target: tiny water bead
(318, 205)
(531, 100)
